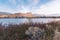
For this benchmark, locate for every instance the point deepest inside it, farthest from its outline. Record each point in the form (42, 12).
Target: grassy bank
(17, 31)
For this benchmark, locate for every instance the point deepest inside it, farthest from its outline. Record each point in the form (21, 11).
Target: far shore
(29, 17)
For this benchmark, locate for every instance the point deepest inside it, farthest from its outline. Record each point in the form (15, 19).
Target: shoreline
(29, 17)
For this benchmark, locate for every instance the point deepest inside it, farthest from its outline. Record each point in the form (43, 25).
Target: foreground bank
(18, 31)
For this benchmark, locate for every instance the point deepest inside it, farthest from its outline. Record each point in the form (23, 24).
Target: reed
(17, 31)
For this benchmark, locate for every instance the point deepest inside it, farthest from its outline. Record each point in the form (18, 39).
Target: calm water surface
(25, 20)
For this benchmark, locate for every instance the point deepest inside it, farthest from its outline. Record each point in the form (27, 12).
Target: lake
(26, 20)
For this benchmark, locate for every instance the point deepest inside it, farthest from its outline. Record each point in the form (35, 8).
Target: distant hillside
(56, 14)
(38, 15)
(4, 13)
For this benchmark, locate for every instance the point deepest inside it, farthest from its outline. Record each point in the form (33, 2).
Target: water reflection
(25, 20)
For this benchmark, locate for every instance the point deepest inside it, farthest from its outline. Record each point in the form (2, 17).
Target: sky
(35, 6)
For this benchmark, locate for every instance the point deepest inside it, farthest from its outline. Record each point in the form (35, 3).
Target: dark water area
(26, 20)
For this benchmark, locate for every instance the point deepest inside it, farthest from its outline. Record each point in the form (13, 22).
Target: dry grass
(17, 31)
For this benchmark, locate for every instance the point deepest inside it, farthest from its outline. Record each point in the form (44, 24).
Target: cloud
(19, 5)
(12, 2)
(35, 2)
(22, 9)
(31, 4)
(52, 7)
(4, 8)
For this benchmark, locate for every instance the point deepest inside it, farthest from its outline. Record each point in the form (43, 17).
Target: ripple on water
(25, 20)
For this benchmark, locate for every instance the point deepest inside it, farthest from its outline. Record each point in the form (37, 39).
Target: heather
(18, 31)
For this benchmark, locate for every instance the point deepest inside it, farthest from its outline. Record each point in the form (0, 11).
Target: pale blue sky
(22, 5)
(35, 6)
